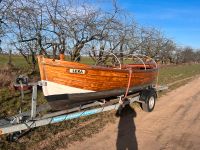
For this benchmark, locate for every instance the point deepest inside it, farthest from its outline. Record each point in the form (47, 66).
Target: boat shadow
(126, 138)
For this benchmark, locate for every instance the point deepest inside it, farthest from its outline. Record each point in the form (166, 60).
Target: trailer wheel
(149, 100)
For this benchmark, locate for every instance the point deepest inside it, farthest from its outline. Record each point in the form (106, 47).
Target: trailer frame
(16, 126)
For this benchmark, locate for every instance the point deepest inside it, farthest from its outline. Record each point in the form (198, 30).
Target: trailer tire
(149, 100)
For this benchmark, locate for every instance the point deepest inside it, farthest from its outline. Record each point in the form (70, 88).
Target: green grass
(79, 128)
(173, 73)
(17, 61)
(86, 60)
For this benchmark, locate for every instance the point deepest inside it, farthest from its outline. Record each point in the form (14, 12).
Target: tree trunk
(75, 56)
(33, 60)
(54, 46)
(121, 53)
(10, 58)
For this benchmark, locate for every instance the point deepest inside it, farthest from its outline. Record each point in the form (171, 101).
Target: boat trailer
(18, 125)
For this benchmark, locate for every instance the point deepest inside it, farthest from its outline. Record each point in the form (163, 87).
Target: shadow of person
(126, 139)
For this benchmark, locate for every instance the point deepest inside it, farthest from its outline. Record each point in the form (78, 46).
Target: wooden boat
(71, 84)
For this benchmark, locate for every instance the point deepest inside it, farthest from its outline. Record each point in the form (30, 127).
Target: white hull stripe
(54, 89)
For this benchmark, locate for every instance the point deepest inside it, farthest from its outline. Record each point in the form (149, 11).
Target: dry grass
(6, 76)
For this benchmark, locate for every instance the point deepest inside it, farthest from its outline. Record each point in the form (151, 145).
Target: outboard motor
(22, 82)
(23, 79)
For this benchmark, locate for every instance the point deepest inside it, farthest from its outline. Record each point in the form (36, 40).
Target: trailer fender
(144, 94)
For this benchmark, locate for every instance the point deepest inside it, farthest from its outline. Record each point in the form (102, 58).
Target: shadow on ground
(126, 138)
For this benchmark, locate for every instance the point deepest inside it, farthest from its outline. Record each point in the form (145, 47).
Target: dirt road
(174, 124)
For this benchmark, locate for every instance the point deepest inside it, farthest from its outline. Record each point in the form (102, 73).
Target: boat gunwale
(88, 67)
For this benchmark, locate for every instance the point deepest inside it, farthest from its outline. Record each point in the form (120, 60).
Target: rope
(22, 96)
(129, 82)
(157, 78)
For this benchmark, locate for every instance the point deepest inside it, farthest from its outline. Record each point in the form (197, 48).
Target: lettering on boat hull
(77, 71)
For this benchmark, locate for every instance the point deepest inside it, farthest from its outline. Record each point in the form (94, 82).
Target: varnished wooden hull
(65, 88)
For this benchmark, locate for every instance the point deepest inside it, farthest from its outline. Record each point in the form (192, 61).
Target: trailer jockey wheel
(149, 99)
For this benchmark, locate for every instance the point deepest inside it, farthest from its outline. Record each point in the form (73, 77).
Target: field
(18, 61)
(48, 137)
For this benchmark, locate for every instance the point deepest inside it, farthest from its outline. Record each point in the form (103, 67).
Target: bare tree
(187, 55)
(58, 27)
(197, 56)
(26, 21)
(4, 9)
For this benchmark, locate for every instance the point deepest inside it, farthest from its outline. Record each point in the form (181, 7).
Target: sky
(177, 19)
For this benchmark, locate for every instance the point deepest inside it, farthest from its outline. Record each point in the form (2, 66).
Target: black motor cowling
(22, 81)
